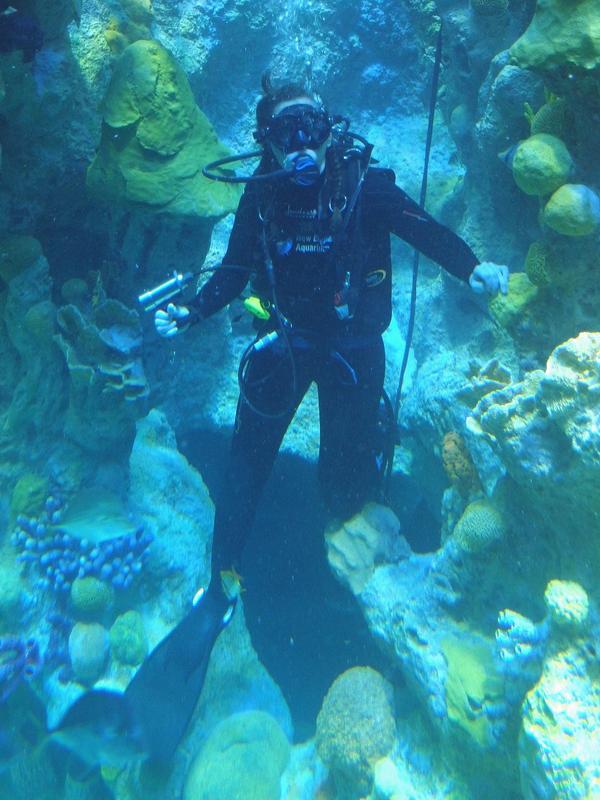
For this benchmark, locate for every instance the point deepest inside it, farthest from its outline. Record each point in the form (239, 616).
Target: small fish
(507, 156)
(20, 31)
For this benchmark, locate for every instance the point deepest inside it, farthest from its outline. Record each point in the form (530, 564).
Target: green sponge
(155, 140)
(573, 210)
(128, 641)
(541, 164)
(91, 597)
(509, 309)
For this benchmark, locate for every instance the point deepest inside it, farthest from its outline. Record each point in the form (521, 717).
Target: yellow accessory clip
(258, 307)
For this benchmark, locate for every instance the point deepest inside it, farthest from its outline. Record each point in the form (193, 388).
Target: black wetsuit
(345, 358)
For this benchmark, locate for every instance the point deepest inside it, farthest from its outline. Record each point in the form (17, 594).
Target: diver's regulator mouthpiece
(153, 298)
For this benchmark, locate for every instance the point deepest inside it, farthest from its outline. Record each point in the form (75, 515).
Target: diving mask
(297, 127)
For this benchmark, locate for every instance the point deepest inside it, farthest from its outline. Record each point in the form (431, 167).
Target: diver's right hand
(169, 323)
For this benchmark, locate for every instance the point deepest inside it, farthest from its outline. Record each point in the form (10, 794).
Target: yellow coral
(510, 309)
(567, 603)
(480, 526)
(115, 38)
(473, 682)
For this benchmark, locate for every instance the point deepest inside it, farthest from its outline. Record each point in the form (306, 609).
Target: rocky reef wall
(108, 112)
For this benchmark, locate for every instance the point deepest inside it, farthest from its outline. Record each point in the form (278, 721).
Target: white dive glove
(166, 322)
(489, 278)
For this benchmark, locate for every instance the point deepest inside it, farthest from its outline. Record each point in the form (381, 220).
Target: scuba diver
(313, 227)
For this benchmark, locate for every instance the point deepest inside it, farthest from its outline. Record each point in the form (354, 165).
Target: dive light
(156, 297)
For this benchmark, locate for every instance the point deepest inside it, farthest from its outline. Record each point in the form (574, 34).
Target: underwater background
(444, 647)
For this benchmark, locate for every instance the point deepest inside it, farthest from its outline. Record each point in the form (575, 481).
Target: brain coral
(536, 264)
(480, 526)
(355, 728)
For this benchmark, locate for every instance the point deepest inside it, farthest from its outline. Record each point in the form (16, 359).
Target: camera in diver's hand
(173, 287)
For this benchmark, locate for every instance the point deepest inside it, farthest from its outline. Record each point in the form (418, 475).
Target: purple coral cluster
(60, 558)
(19, 660)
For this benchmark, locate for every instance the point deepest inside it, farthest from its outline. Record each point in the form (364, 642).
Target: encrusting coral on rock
(155, 140)
(355, 728)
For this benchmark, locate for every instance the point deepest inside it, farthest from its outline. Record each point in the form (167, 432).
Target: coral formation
(155, 140)
(458, 464)
(128, 643)
(560, 35)
(474, 687)
(33, 365)
(480, 527)
(568, 604)
(368, 537)
(19, 660)
(88, 651)
(573, 210)
(521, 647)
(80, 542)
(244, 756)
(510, 309)
(355, 728)
(169, 495)
(91, 597)
(541, 164)
(531, 435)
(559, 738)
(483, 379)
(536, 264)
(544, 430)
(108, 390)
(129, 26)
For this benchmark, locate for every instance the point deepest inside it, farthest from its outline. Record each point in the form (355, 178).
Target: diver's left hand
(489, 278)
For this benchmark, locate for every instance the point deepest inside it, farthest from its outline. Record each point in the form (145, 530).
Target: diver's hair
(273, 95)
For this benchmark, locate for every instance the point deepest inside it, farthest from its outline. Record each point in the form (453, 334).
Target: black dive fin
(165, 690)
